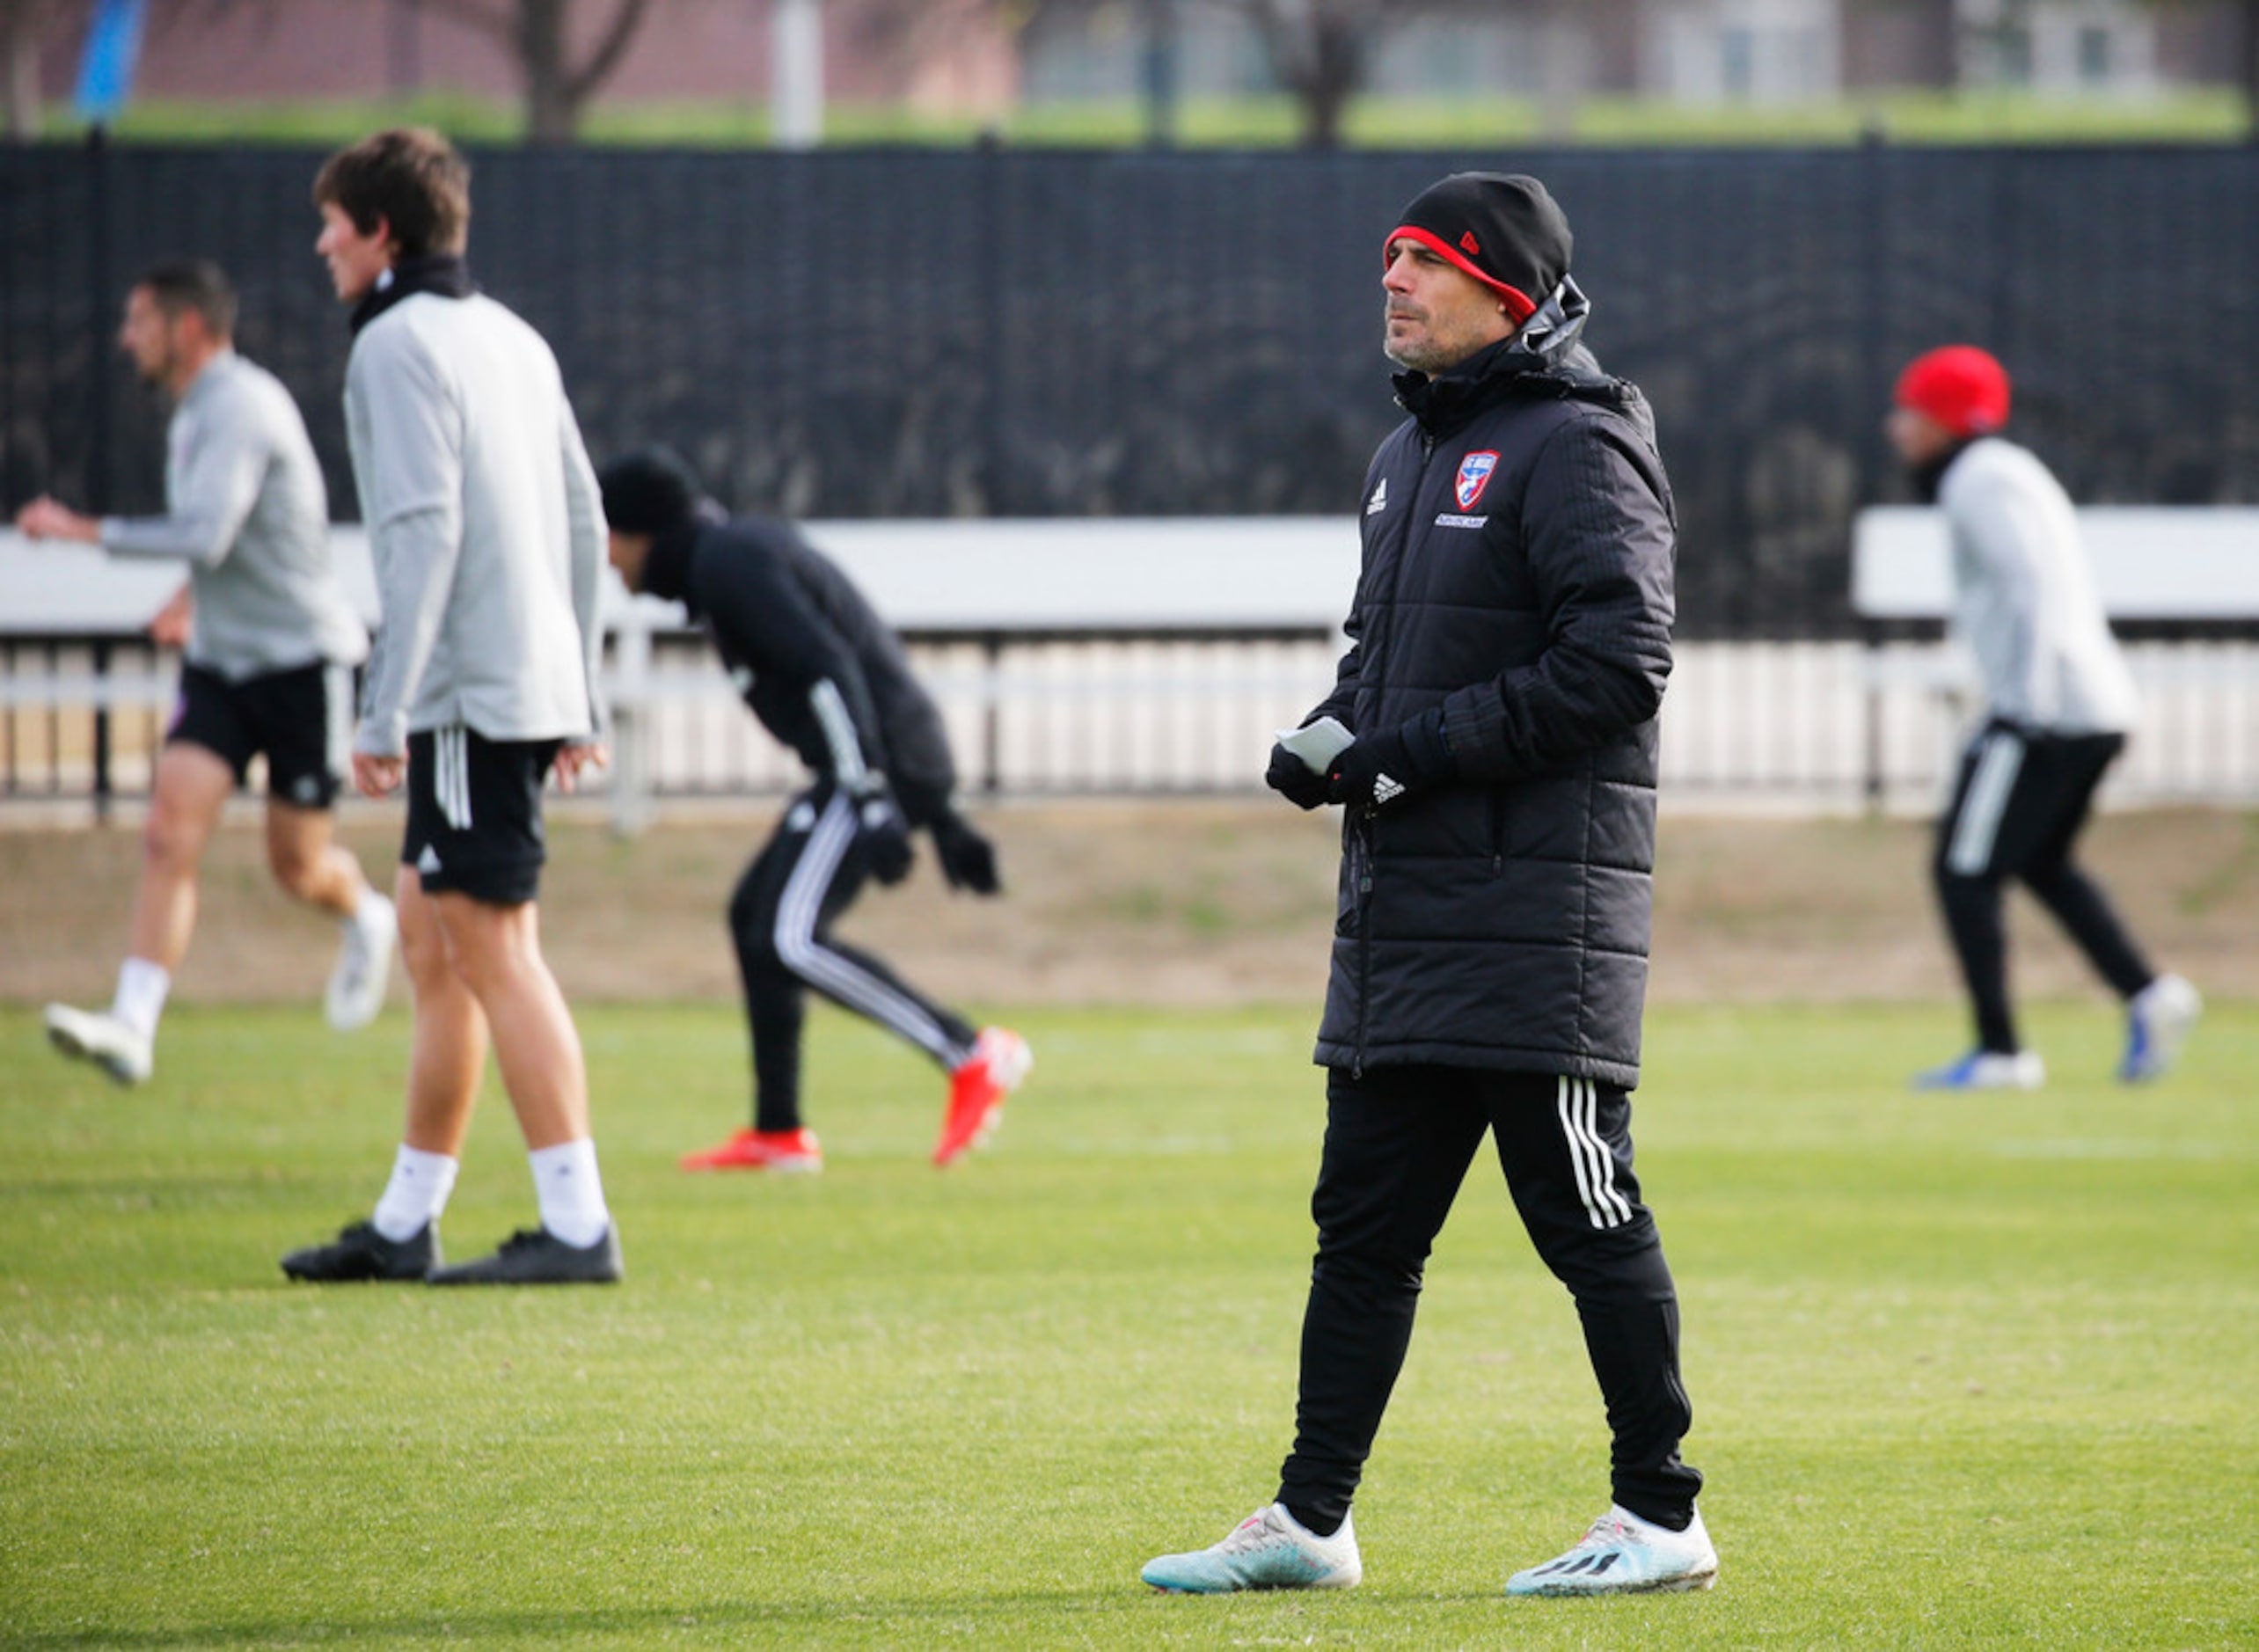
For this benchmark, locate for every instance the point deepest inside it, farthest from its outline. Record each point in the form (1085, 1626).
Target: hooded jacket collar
(1544, 346)
(447, 275)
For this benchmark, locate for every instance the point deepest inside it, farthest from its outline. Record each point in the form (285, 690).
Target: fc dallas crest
(1474, 476)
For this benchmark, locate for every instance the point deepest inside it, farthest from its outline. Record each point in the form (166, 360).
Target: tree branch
(609, 51)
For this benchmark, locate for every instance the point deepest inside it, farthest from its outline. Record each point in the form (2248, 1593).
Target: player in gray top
(489, 536)
(268, 668)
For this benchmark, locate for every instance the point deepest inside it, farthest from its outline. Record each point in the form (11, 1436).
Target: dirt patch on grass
(1168, 902)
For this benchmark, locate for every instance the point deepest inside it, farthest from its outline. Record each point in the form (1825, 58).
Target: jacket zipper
(1363, 839)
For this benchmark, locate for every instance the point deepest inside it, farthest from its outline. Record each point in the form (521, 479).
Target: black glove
(968, 859)
(883, 836)
(1294, 779)
(1373, 770)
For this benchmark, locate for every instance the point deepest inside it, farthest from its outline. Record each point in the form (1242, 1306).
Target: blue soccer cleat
(2158, 1021)
(1987, 1070)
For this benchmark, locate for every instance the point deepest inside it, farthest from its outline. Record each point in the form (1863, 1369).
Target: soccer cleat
(364, 964)
(2158, 1021)
(100, 1037)
(785, 1152)
(1267, 1550)
(1623, 1554)
(997, 1067)
(360, 1252)
(1987, 1070)
(535, 1256)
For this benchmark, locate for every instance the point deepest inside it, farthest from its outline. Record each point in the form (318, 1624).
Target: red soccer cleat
(999, 1060)
(785, 1151)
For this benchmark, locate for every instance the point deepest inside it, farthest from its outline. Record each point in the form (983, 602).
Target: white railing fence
(1823, 726)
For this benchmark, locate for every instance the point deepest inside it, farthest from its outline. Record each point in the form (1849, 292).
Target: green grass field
(1969, 1372)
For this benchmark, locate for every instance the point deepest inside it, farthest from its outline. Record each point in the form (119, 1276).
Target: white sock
(141, 989)
(416, 1193)
(571, 1192)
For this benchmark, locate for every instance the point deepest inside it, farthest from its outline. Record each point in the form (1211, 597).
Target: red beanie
(1961, 386)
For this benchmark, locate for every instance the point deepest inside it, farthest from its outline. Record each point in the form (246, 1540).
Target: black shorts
(301, 719)
(474, 814)
(2021, 798)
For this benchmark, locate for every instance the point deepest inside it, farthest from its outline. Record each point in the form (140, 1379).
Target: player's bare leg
(191, 785)
(496, 954)
(448, 1048)
(309, 864)
(495, 951)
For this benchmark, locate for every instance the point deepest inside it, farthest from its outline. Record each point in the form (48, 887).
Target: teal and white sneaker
(1267, 1550)
(1623, 1554)
(2158, 1022)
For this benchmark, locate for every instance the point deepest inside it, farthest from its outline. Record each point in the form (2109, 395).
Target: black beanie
(1502, 230)
(650, 491)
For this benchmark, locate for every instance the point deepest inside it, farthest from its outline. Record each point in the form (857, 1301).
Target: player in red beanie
(2058, 704)
(1962, 387)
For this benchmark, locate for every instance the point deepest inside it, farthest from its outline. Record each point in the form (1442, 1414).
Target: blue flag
(105, 71)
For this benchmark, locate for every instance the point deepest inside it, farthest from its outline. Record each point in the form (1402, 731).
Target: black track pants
(780, 920)
(1397, 1143)
(2018, 807)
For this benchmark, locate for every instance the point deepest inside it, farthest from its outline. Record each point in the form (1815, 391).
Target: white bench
(984, 589)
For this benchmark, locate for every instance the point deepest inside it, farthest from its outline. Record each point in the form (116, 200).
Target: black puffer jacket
(1517, 583)
(784, 618)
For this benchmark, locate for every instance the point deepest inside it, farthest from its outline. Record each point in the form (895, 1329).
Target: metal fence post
(992, 712)
(103, 791)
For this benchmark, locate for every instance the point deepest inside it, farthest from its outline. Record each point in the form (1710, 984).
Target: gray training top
(246, 511)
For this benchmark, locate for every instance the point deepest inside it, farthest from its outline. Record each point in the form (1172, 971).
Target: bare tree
(2249, 63)
(538, 34)
(2246, 13)
(1320, 50)
(26, 28)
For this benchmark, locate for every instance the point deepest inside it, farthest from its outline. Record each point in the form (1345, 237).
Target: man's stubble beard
(1417, 358)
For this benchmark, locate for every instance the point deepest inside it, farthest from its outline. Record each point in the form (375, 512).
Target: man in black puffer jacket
(1509, 640)
(825, 675)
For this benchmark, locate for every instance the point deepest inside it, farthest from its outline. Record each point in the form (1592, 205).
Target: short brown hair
(196, 284)
(411, 179)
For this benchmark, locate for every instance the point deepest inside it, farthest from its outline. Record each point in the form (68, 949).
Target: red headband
(1518, 304)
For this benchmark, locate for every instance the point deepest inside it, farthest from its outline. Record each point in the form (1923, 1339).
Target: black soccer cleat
(535, 1256)
(361, 1252)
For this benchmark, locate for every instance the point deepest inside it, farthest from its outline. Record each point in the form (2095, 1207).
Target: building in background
(1685, 51)
(714, 51)
(978, 59)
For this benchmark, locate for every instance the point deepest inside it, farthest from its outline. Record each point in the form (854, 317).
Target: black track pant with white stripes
(780, 919)
(1398, 1141)
(2019, 806)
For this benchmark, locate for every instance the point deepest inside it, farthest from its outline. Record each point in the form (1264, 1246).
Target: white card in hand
(1317, 744)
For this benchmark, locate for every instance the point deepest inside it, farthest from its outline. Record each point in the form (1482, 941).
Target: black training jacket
(1516, 581)
(784, 619)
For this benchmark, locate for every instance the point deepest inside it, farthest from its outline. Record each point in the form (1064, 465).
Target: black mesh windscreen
(920, 332)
